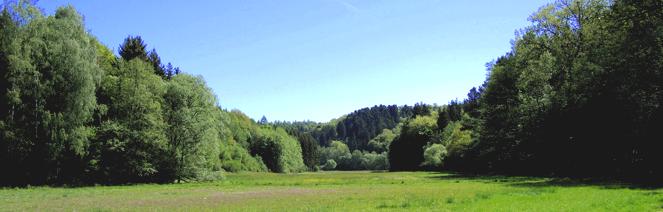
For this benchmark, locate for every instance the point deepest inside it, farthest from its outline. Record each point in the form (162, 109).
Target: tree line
(578, 95)
(355, 128)
(354, 141)
(72, 112)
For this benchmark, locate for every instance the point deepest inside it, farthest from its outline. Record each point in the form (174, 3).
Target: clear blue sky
(318, 59)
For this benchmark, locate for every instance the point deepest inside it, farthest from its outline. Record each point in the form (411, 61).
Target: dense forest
(578, 95)
(72, 112)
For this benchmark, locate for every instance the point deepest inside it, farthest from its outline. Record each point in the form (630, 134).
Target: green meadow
(343, 191)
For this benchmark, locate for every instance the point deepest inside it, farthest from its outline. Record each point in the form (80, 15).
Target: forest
(580, 95)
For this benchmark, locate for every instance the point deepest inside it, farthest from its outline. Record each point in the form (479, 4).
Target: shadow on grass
(540, 182)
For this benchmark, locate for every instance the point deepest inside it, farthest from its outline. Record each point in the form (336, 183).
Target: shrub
(434, 155)
(329, 165)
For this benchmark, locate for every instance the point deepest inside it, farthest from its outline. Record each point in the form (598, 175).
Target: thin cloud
(350, 7)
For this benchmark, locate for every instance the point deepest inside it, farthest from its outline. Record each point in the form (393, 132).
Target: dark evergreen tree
(471, 104)
(421, 109)
(454, 110)
(263, 121)
(309, 150)
(169, 71)
(443, 118)
(155, 60)
(357, 128)
(133, 47)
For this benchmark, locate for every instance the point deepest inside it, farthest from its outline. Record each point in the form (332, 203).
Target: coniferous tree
(443, 118)
(155, 60)
(309, 150)
(421, 109)
(133, 47)
(263, 120)
(169, 71)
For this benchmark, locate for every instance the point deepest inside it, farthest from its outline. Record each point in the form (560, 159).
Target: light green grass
(343, 191)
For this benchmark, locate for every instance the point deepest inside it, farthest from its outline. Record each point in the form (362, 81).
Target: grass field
(344, 191)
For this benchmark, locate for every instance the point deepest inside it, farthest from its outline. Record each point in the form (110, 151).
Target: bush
(375, 161)
(434, 155)
(358, 160)
(337, 151)
(329, 165)
(236, 159)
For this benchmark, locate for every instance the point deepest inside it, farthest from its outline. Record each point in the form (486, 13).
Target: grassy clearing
(344, 191)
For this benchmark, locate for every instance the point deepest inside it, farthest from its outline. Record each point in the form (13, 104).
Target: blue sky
(318, 59)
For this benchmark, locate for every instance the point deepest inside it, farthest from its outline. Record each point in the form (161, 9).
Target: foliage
(406, 152)
(190, 113)
(357, 128)
(49, 76)
(337, 151)
(159, 69)
(434, 155)
(421, 109)
(74, 113)
(382, 141)
(457, 141)
(329, 165)
(235, 129)
(309, 150)
(234, 158)
(355, 160)
(134, 47)
(278, 150)
(583, 79)
(373, 161)
(131, 145)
